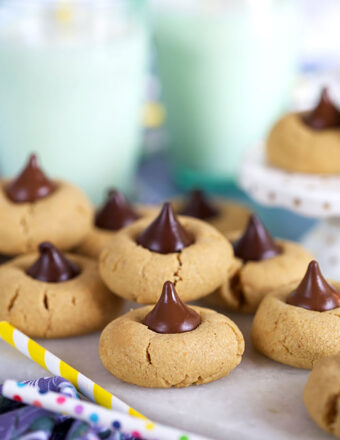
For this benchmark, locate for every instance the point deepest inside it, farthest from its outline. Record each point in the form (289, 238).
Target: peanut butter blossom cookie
(34, 209)
(261, 265)
(230, 218)
(115, 214)
(55, 295)
(186, 251)
(322, 394)
(298, 325)
(307, 142)
(171, 344)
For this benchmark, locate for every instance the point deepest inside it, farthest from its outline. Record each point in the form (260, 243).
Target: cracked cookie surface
(63, 218)
(138, 355)
(322, 394)
(52, 310)
(248, 283)
(293, 335)
(133, 272)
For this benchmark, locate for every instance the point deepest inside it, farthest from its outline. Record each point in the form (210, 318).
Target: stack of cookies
(169, 260)
(50, 293)
(166, 261)
(70, 268)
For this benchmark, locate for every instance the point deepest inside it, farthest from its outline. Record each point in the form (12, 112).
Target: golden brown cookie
(64, 217)
(294, 335)
(307, 142)
(42, 309)
(136, 273)
(261, 265)
(227, 216)
(322, 394)
(135, 354)
(250, 282)
(116, 214)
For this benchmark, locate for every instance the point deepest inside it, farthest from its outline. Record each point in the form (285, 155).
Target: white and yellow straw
(57, 367)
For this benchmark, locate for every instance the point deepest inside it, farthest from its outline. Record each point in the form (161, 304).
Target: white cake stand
(309, 195)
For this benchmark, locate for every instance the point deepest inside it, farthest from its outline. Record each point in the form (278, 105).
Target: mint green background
(226, 78)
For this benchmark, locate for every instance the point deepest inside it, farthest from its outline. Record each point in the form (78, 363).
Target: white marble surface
(259, 400)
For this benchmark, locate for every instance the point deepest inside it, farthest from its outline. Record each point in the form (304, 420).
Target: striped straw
(57, 367)
(91, 413)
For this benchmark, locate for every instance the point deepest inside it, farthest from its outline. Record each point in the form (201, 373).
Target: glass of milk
(72, 76)
(227, 68)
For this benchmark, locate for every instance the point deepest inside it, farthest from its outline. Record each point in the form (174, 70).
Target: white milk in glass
(227, 68)
(71, 89)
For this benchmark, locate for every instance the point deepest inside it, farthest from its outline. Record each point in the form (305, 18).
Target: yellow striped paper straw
(56, 366)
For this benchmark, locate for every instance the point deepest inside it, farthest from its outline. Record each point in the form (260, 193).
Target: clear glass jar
(227, 68)
(72, 76)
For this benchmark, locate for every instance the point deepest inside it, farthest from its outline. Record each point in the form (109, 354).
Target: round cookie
(322, 394)
(307, 142)
(43, 309)
(135, 353)
(251, 280)
(134, 272)
(228, 217)
(62, 215)
(295, 335)
(116, 214)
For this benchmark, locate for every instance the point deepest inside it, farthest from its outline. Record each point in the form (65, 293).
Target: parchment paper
(260, 399)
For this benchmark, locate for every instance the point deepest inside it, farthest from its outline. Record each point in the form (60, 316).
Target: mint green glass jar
(72, 76)
(227, 68)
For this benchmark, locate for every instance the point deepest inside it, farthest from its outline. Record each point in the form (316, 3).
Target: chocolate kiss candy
(198, 206)
(325, 115)
(52, 266)
(170, 314)
(314, 293)
(165, 234)
(116, 213)
(31, 184)
(256, 243)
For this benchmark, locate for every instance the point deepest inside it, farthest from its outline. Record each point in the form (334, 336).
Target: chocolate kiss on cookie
(256, 243)
(31, 184)
(198, 206)
(116, 213)
(325, 115)
(314, 293)
(170, 314)
(165, 234)
(52, 266)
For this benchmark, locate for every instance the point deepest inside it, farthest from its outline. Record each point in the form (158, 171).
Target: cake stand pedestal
(309, 195)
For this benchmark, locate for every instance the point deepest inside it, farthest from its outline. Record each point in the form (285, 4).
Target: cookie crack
(46, 305)
(148, 356)
(154, 368)
(283, 344)
(24, 223)
(115, 264)
(45, 301)
(13, 300)
(238, 339)
(177, 274)
(331, 411)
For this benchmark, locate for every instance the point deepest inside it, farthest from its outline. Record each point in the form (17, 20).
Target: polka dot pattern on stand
(308, 194)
